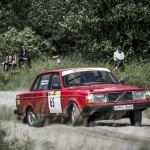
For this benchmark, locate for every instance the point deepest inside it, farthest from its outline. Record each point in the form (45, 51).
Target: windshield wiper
(101, 83)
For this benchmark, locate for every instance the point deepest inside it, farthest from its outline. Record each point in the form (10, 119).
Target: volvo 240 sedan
(81, 95)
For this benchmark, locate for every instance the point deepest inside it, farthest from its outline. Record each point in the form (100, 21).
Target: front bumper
(18, 112)
(110, 108)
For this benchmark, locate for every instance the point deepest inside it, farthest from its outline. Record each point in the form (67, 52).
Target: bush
(12, 40)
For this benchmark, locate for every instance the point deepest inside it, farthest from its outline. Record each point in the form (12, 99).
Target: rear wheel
(76, 116)
(135, 117)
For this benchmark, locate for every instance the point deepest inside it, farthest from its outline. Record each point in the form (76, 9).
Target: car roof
(74, 68)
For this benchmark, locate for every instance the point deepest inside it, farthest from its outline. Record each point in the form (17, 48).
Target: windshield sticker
(44, 82)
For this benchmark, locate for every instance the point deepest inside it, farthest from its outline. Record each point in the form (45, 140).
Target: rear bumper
(110, 108)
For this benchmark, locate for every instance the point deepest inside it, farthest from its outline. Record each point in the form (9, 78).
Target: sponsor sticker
(54, 102)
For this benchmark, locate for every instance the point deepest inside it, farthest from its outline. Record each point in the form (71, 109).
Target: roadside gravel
(116, 135)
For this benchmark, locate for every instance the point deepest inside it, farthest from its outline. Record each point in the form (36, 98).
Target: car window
(87, 77)
(55, 81)
(107, 77)
(44, 81)
(74, 78)
(35, 86)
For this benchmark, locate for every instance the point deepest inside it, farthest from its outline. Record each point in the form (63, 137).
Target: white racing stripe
(83, 69)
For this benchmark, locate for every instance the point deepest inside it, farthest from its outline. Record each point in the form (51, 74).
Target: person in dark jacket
(24, 57)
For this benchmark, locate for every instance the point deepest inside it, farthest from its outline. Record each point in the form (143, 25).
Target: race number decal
(54, 102)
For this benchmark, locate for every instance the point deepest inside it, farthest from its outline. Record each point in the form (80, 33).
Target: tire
(135, 117)
(32, 119)
(76, 117)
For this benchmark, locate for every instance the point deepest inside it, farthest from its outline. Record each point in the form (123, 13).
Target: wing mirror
(122, 81)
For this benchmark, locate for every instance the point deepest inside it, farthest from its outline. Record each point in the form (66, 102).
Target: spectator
(118, 58)
(14, 64)
(24, 57)
(7, 63)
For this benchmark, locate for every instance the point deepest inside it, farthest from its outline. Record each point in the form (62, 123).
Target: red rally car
(82, 95)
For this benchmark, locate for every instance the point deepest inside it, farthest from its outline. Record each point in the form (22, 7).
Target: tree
(91, 28)
(12, 40)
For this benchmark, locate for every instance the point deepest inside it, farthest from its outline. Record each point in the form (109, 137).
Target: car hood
(106, 88)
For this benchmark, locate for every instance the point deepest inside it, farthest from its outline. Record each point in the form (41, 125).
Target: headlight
(99, 98)
(96, 98)
(137, 95)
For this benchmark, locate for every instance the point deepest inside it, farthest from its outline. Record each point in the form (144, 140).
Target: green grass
(135, 73)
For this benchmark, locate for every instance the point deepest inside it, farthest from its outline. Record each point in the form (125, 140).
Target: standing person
(24, 56)
(118, 58)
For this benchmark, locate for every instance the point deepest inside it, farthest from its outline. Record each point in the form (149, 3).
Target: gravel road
(115, 135)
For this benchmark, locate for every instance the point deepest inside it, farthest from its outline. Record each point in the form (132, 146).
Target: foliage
(110, 22)
(3, 80)
(12, 40)
(91, 28)
(14, 14)
(135, 73)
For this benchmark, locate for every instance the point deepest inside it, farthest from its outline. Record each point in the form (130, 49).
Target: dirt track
(115, 135)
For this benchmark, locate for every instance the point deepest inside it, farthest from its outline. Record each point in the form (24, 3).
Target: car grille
(120, 96)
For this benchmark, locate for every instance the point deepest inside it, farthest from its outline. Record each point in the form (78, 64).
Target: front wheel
(76, 116)
(32, 118)
(135, 117)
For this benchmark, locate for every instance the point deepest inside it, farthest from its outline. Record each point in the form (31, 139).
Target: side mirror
(122, 81)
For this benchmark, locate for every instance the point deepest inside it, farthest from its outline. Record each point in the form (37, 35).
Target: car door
(54, 95)
(39, 94)
(47, 93)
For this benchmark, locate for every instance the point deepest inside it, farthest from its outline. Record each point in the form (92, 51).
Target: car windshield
(87, 77)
